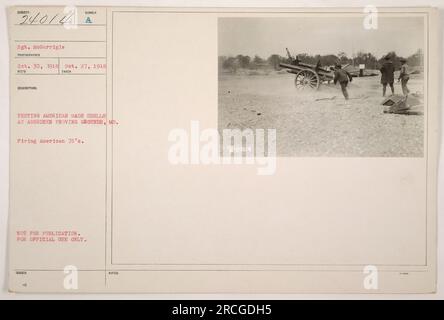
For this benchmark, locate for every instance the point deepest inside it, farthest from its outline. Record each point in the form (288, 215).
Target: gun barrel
(289, 54)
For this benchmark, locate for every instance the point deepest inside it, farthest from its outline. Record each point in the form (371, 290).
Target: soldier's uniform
(404, 77)
(343, 78)
(387, 76)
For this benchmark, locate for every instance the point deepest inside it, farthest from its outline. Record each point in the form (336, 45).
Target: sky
(319, 35)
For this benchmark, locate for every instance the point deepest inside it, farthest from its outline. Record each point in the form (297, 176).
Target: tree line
(232, 63)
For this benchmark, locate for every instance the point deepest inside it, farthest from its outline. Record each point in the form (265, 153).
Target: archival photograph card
(197, 150)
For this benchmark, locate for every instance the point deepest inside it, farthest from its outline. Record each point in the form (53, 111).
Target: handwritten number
(25, 18)
(34, 18)
(39, 19)
(43, 19)
(53, 19)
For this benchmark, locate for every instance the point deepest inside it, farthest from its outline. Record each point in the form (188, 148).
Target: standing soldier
(387, 75)
(342, 77)
(404, 77)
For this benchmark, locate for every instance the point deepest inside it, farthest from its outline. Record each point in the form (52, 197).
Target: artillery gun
(308, 76)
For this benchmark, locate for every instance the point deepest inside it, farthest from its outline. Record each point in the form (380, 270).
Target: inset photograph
(330, 86)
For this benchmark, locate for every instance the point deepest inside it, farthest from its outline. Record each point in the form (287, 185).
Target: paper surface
(121, 180)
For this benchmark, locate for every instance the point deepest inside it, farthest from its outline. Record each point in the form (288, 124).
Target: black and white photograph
(329, 85)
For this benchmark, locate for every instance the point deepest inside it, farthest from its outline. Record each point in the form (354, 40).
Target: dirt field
(320, 123)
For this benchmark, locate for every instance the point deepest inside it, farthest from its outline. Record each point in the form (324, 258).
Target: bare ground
(320, 123)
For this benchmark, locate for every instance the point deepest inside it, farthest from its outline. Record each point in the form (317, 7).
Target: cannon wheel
(307, 79)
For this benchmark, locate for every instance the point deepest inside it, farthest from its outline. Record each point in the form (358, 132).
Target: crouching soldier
(404, 77)
(343, 77)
